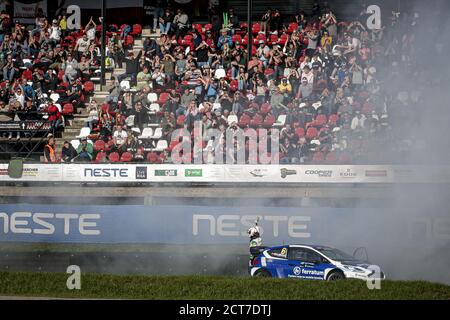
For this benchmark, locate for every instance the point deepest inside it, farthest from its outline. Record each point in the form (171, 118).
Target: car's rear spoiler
(257, 250)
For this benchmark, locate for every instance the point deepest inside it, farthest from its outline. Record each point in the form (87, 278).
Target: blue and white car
(310, 262)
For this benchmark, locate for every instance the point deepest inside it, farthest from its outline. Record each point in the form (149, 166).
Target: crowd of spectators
(311, 75)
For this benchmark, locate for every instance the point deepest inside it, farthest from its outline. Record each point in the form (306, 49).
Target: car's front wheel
(263, 274)
(335, 275)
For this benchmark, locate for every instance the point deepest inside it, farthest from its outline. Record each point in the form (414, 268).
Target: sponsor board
(166, 173)
(259, 173)
(141, 173)
(284, 172)
(376, 173)
(30, 172)
(289, 174)
(193, 172)
(320, 173)
(348, 173)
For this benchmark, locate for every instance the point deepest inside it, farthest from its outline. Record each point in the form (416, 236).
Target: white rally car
(310, 262)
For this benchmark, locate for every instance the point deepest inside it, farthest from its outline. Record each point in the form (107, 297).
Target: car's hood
(355, 263)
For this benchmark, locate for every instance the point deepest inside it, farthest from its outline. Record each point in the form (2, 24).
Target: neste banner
(214, 225)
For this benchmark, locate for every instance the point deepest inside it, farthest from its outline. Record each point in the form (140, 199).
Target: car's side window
(279, 252)
(304, 254)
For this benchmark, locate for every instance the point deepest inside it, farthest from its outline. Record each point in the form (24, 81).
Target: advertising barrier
(263, 174)
(213, 225)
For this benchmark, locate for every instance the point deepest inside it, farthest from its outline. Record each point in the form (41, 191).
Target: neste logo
(49, 223)
(106, 172)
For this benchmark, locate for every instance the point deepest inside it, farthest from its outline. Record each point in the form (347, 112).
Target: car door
(277, 261)
(305, 263)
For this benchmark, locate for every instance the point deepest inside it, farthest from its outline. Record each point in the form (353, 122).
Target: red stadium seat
(293, 26)
(198, 27)
(187, 40)
(163, 98)
(311, 133)
(105, 108)
(101, 156)
(237, 38)
(333, 119)
(282, 39)
(321, 119)
(318, 157)
(265, 108)
(137, 30)
(99, 145)
(273, 39)
(126, 157)
(331, 158)
(114, 157)
(233, 84)
(300, 132)
(244, 120)
(152, 157)
(109, 145)
(345, 158)
(256, 121)
(269, 121)
(128, 41)
(180, 120)
(89, 87)
(28, 74)
(67, 109)
(256, 28)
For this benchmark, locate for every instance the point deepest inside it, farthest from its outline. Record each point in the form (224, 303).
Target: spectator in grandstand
(68, 152)
(180, 23)
(93, 114)
(54, 116)
(10, 69)
(131, 67)
(143, 78)
(119, 137)
(85, 151)
(70, 67)
(82, 45)
(140, 116)
(165, 22)
(265, 21)
(49, 150)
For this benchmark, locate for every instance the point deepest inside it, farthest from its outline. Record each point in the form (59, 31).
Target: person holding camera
(85, 151)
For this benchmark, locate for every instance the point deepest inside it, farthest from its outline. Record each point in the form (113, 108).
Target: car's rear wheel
(335, 275)
(263, 274)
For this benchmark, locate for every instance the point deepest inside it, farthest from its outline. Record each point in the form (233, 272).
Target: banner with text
(254, 174)
(212, 225)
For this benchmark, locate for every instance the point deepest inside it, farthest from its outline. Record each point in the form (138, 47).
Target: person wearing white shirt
(358, 121)
(119, 136)
(308, 74)
(55, 31)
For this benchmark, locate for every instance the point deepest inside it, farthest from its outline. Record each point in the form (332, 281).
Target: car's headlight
(354, 269)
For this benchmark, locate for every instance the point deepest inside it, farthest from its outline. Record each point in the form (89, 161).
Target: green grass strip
(211, 288)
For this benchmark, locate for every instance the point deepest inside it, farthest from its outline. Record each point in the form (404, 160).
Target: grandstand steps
(118, 71)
